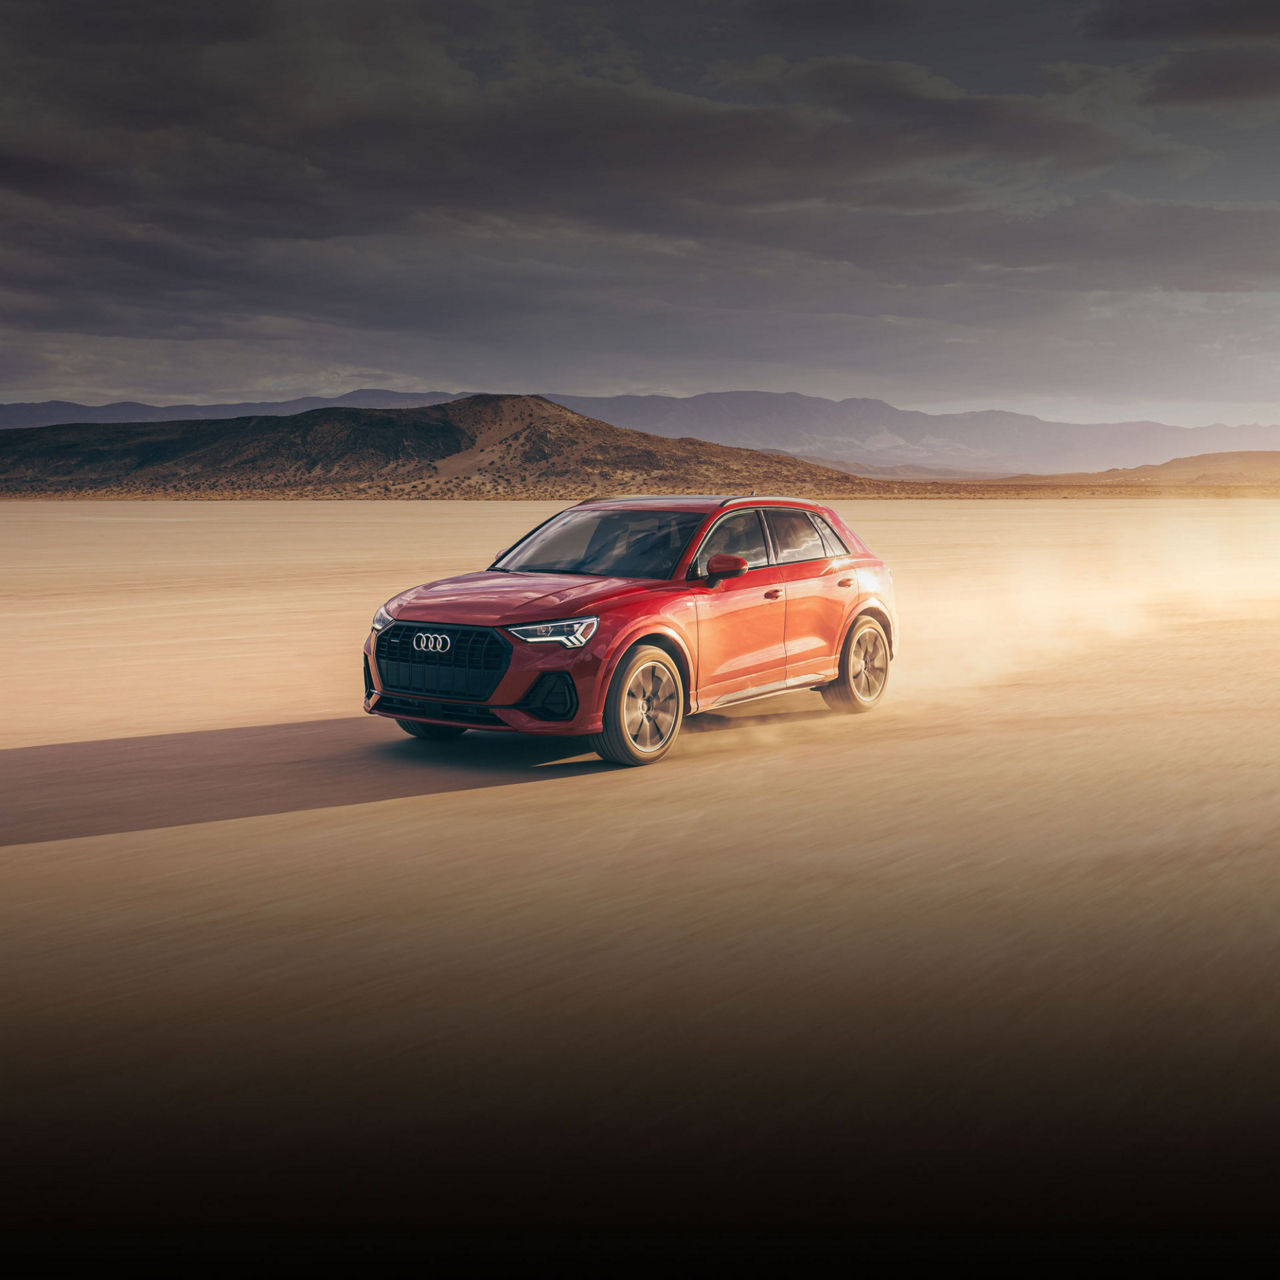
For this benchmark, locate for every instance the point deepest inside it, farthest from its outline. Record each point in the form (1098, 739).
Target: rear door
(741, 621)
(821, 587)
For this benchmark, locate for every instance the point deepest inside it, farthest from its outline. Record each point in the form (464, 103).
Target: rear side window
(740, 534)
(795, 536)
(834, 542)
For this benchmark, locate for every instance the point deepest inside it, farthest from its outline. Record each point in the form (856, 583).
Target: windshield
(611, 544)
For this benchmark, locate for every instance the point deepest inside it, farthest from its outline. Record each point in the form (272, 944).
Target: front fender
(670, 631)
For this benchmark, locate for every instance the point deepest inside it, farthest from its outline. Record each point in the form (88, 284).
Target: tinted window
(834, 543)
(794, 537)
(621, 544)
(740, 534)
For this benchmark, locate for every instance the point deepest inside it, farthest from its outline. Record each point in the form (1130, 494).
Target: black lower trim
(771, 690)
(450, 712)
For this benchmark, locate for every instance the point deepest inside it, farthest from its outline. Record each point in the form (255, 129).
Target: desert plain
(1005, 950)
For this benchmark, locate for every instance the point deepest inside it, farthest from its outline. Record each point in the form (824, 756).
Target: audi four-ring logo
(428, 642)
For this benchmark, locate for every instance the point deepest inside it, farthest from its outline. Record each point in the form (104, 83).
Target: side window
(737, 535)
(833, 541)
(794, 537)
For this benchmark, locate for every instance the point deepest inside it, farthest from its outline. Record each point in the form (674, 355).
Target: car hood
(499, 599)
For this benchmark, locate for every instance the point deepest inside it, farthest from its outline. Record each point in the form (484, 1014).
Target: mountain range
(47, 413)
(478, 447)
(870, 437)
(1247, 471)
(486, 446)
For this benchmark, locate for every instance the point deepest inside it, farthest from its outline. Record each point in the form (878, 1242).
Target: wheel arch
(670, 644)
(881, 615)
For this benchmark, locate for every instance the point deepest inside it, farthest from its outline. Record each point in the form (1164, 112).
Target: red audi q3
(619, 617)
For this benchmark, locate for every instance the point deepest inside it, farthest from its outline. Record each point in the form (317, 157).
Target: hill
(869, 436)
(47, 413)
(479, 447)
(1255, 469)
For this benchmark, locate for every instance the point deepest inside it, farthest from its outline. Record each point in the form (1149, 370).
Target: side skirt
(772, 690)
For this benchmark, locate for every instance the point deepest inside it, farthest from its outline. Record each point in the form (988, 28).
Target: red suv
(618, 617)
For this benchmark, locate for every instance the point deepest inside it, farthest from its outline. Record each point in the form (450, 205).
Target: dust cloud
(989, 589)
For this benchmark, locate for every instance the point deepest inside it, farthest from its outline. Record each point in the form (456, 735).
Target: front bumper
(545, 689)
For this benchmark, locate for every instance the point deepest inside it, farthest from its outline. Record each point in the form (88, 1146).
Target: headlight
(382, 619)
(573, 633)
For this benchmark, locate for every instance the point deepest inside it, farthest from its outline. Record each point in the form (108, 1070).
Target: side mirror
(724, 566)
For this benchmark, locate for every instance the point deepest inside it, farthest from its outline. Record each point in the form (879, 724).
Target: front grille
(454, 662)
(454, 712)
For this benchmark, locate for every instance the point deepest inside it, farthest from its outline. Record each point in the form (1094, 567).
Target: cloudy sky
(1070, 208)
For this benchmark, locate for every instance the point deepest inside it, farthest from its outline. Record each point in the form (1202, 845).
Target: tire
(864, 669)
(431, 732)
(643, 710)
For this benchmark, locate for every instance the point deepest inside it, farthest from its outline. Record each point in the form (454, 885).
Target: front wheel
(431, 732)
(864, 669)
(643, 710)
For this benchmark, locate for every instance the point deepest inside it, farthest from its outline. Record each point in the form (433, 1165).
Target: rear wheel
(643, 710)
(431, 732)
(864, 669)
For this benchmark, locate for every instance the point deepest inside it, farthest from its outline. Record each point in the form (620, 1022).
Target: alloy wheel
(651, 706)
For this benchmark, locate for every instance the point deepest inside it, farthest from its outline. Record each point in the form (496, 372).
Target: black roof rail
(617, 497)
(762, 497)
(653, 497)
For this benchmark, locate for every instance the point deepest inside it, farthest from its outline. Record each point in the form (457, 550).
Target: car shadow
(115, 785)
(133, 784)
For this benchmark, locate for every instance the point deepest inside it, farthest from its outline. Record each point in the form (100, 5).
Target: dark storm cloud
(587, 195)
(1103, 243)
(50, 24)
(914, 109)
(1184, 19)
(324, 137)
(830, 15)
(39, 176)
(1220, 75)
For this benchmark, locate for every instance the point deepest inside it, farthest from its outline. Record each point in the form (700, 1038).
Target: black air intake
(553, 697)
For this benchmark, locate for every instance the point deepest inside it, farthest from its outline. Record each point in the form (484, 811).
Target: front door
(741, 621)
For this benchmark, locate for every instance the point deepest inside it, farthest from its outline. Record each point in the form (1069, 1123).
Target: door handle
(772, 595)
(845, 582)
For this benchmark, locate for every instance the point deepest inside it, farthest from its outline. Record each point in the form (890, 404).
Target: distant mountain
(864, 434)
(868, 436)
(47, 413)
(903, 471)
(1254, 469)
(478, 447)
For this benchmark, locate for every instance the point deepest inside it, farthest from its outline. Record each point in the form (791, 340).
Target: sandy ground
(1003, 952)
